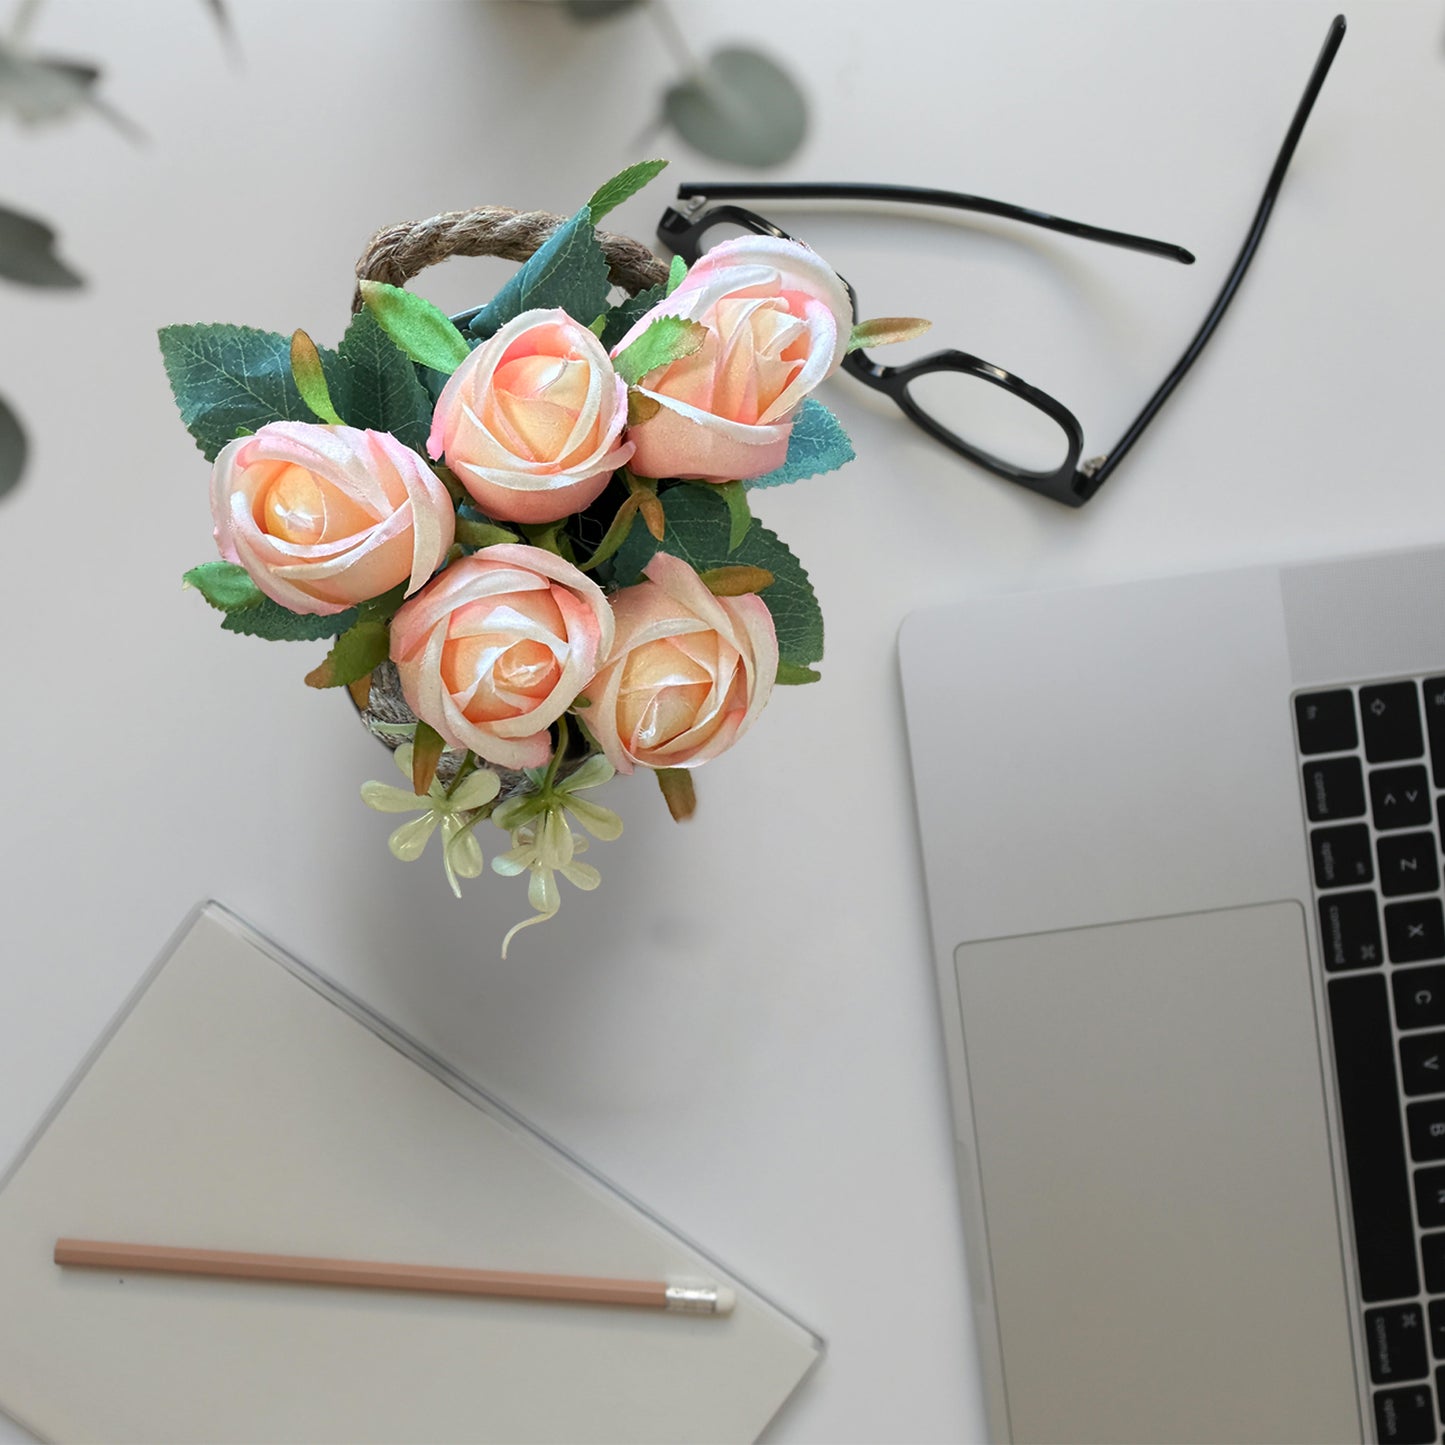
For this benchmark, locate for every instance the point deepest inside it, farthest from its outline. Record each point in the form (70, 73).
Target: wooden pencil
(690, 1298)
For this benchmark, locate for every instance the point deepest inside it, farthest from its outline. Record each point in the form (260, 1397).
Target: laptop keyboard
(1372, 762)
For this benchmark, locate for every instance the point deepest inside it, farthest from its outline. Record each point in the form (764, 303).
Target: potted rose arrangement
(527, 531)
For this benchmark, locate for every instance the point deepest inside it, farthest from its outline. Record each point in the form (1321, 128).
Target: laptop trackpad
(1155, 1163)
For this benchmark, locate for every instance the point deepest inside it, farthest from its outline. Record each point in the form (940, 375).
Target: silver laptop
(1182, 845)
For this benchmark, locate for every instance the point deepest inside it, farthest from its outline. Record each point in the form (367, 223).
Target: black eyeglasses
(1031, 438)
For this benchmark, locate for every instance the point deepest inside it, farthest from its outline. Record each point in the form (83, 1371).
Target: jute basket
(397, 253)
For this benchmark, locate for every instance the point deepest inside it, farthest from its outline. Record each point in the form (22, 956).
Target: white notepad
(242, 1102)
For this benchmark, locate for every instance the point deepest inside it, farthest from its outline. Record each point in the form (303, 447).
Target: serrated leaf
(420, 329)
(698, 526)
(228, 380)
(375, 385)
(355, 653)
(625, 184)
(568, 270)
(791, 675)
(227, 586)
(270, 620)
(668, 339)
(310, 379)
(816, 445)
(620, 319)
(886, 330)
(676, 270)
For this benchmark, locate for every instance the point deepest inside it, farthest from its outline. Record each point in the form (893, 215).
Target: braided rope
(397, 253)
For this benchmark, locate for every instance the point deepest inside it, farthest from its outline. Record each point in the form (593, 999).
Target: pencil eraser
(726, 1299)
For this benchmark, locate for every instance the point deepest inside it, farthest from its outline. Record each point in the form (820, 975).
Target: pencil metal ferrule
(692, 1299)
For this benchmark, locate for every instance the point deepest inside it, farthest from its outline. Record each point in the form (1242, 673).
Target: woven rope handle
(397, 253)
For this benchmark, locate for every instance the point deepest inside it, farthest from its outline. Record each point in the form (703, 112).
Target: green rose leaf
(886, 330)
(415, 325)
(791, 675)
(818, 444)
(311, 379)
(227, 586)
(740, 517)
(567, 270)
(698, 531)
(384, 607)
(675, 272)
(270, 620)
(375, 385)
(668, 339)
(483, 534)
(623, 186)
(620, 319)
(355, 653)
(230, 380)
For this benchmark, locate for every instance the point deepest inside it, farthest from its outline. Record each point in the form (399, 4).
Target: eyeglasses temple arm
(1089, 480)
(921, 196)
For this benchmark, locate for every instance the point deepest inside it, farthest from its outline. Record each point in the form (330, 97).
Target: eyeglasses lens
(992, 420)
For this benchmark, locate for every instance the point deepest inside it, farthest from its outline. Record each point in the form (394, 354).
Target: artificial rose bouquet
(528, 532)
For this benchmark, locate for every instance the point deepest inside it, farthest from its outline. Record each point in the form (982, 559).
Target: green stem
(556, 756)
(468, 765)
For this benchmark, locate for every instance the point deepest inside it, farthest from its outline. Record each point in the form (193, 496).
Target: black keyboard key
(1422, 1064)
(1429, 1201)
(1342, 856)
(1405, 1416)
(1419, 998)
(1391, 715)
(1426, 1124)
(1395, 1341)
(1415, 930)
(1326, 722)
(1432, 1251)
(1350, 931)
(1334, 789)
(1435, 720)
(1399, 797)
(1408, 864)
(1374, 1140)
(1437, 1328)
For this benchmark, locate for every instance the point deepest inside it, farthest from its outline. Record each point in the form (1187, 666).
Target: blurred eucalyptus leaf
(27, 253)
(739, 106)
(597, 9)
(38, 88)
(13, 448)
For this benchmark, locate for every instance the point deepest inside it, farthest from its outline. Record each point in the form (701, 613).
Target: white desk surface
(740, 1027)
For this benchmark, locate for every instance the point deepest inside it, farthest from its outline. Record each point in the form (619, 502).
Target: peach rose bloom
(531, 421)
(324, 517)
(778, 322)
(497, 648)
(687, 674)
